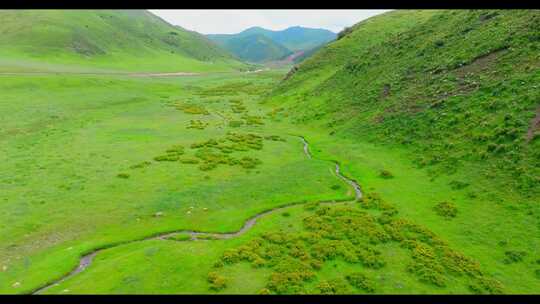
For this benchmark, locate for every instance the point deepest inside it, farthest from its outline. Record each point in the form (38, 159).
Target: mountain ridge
(294, 39)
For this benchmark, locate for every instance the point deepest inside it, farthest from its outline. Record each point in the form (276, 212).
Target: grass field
(105, 164)
(85, 156)
(92, 159)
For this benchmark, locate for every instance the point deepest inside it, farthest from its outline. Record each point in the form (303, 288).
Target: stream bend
(87, 259)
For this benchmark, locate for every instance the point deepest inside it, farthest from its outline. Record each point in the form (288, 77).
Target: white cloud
(234, 21)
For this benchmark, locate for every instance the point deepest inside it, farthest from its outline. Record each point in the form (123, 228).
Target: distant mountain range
(257, 44)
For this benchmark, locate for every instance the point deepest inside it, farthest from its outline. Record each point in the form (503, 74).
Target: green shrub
(175, 150)
(370, 257)
(335, 286)
(217, 282)
(167, 157)
(361, 281)
(428, 271)
(141, 165)
(457, 185)
(386, 174)
(249, 162)
(191, 109)
(274, 138)
(446, 209)
(335, 187)
(197, 124)
(252, 120)
(218, 264)
(484, 285)
(230, 256)
(513, 256)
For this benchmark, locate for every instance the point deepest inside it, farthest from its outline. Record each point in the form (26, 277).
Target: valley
(401, 158)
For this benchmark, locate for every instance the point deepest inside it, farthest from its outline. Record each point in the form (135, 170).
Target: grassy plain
(79, 169)
(67, 198)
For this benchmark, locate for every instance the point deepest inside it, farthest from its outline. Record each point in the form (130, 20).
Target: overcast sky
(234, 21)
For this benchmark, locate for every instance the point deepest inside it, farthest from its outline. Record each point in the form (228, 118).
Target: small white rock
(205, 209)
(16, 284)
(65, 290)
(69, 248)
(189, 212)
(4, 268)
(158, 214)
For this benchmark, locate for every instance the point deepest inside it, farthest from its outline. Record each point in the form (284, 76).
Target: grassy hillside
(276, 45)
(256, 48)
(103, 39)
(454, 87)
(437, 111)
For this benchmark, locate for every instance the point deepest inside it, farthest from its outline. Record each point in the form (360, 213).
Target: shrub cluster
(335, 286)
(252, 119)
(361, 281)
(274, 138)
(197, 124)
(446, 209)
(217, 282)
(172, 154)
(514, 256)
(194, 109)
(353, 235)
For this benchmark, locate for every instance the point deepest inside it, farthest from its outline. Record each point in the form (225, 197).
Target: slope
(458, 87)
(106, 39)
(437, 111)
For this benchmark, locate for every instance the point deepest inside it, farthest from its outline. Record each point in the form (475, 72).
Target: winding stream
(87, 259)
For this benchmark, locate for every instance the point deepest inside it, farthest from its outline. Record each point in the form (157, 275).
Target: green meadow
(201, 183)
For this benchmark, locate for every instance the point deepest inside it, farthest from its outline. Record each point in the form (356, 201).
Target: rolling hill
(104, 39)
(285, 42)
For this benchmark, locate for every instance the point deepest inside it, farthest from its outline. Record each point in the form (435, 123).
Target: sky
(234, 21)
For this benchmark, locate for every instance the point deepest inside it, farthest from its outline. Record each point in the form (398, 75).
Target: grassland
(106, 162)
(57, 147)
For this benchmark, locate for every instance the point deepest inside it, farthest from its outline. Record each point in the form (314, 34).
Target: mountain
(110, 39)
(294, 39)
(256, 48)
(457, 88)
